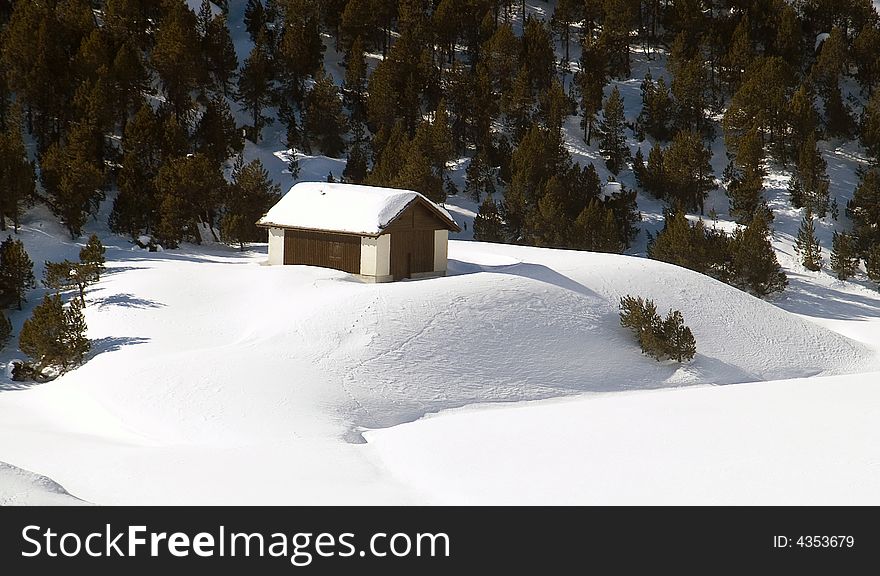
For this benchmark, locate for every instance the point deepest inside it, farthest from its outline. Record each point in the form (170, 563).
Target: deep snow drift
(216, 379)
(806, 442)
(22, 488)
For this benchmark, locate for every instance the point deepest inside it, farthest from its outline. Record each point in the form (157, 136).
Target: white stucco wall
(368, 256)
(383, 255)
(376, 255)
(276, 246)
(441, 246)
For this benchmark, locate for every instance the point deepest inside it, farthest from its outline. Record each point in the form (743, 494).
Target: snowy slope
(22, 488)
(794, 442)
(215, 379)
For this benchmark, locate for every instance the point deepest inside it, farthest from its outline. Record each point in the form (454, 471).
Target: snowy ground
(22, 488)
(216, 380)
(807, 442)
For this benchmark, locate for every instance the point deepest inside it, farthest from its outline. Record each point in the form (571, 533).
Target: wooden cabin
(378, 234)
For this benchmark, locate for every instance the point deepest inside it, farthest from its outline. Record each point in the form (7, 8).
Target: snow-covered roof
(347, 208)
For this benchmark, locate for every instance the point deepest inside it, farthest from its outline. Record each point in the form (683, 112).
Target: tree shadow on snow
(13, 386)
(112, 344)
(109, 271)
(127, 301)
(820, 302)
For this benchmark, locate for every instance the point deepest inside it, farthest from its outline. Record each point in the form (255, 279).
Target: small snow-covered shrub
(661, 339)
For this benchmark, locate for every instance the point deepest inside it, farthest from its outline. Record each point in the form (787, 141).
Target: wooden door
(401, 254)
(412, 252)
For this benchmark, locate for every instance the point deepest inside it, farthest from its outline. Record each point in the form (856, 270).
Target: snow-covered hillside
(22, 488)
(805, 442)
(216, 379)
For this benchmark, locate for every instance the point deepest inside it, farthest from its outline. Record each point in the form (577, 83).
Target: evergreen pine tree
(131, 78)
(809, 186)
(176, 55)
(832, 62)
(190, 190)
(864, 210)
(250, 195)
(611, 129)
(746, 178)
(537, 55)
(16, 273)
(488, 226)
(16, 172)
(595, 229)
(662, 339)
(73, 178)
(325, 123)
(554, 106)
(356, 165)
(478, 178)
(763, 101)
(654, 119)
(135, 205)
(36, 55)
(680, 243)
(865, 55)
(654, 178)
(689, 91)
(500, 55)
(623, 206)
(442, 144)
(519, 105)
(91, 258)
(67, 275)
(300, 49)
(803, 119)
(254, 87)
(5, 328)
(615, 36)
(219, 52)
(807, 246)
(870, 130)
(688, 171)
(680, 342)
(417, 170)
(844, 259)
(216, 135)
(255, 19)
(640, 171)
(54, 336)
(755, 266)
(872, 263)
(590, 81)
(354, 88)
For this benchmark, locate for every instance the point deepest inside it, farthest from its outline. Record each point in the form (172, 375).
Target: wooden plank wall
(337, 251)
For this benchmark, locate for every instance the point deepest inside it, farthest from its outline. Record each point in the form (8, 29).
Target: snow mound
(22, 488)
(801, 442)
(543, 324)
(210, 375)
